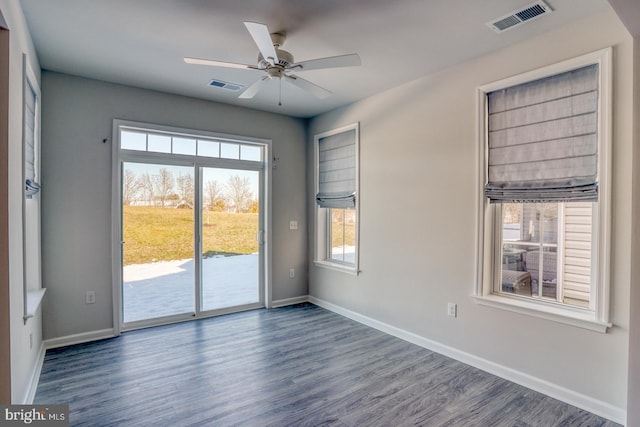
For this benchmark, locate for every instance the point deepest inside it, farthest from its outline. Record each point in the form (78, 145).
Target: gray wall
(76, 167)
(418, 193)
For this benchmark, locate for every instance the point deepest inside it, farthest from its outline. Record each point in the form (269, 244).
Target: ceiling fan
(278, 63)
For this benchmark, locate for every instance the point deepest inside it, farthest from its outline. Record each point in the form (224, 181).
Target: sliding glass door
(158, 240)
(230, 238)
(192, 226)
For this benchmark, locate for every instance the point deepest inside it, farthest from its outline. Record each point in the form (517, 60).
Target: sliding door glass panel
(158, 277)
(230, 249)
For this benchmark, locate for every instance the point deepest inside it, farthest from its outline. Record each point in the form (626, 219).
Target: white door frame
(120, 156)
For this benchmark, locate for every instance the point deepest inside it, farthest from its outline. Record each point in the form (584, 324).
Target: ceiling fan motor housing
(284, 60)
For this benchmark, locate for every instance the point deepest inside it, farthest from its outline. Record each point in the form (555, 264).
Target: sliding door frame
(197, 163)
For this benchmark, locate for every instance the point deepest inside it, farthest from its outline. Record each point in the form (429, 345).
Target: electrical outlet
(90, 297)
(293, 225)
(452, 309)
(292, 273)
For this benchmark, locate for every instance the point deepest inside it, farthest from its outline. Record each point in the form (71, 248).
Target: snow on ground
(168, 287)
(348, 252)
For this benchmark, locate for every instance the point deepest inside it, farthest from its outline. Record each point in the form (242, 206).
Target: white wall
(77, 115)
(24, 356)
(418, 192)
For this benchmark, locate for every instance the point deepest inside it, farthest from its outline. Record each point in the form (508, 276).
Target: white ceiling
(142, 42)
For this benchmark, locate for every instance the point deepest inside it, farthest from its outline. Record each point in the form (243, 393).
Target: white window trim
(33, 293)
(597, 317)
(320, 256)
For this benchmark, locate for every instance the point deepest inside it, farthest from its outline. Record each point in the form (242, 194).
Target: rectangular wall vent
(226, 85)
(520, 16)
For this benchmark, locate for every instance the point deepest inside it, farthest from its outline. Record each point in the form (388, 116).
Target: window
(134, 139)
(342, 231)
(544, 210)
(546, 251)
(31, 266)
(336, 198)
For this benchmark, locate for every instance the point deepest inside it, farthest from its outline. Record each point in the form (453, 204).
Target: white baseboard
(555, 391)
(30, 394)
(289, 301)
(79, 338)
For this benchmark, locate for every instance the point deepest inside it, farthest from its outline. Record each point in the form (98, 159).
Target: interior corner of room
(350, 179)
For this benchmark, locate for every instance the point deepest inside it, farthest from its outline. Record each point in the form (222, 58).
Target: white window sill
(569, 316)
(350, 269)
(34, 299)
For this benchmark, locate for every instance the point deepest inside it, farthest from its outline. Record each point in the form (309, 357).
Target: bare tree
(146, 187)
(238, 193)
(185, 188)
(130, 187)
(163, 183)
(213, 193)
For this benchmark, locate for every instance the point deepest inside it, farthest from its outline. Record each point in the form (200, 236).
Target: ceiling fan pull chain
(280, 93)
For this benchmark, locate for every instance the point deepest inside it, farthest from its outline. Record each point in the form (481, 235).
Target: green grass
(164, 234)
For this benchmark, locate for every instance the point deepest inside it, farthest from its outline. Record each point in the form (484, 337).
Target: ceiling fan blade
(261, 36)
(350, 60)
(211, 62)
(303, 84)
(251, 91)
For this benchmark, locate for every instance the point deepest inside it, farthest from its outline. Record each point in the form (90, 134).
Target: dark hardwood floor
(293, 366)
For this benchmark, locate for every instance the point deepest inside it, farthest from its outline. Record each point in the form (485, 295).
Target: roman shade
(543, 139)
(337, 170)
(29, 133)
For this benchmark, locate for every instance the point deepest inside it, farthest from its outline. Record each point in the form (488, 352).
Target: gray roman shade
(31, 187)
(542, 139)
(337, 170)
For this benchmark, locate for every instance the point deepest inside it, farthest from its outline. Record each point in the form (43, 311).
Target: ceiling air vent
(226, 85)
(520, 16)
